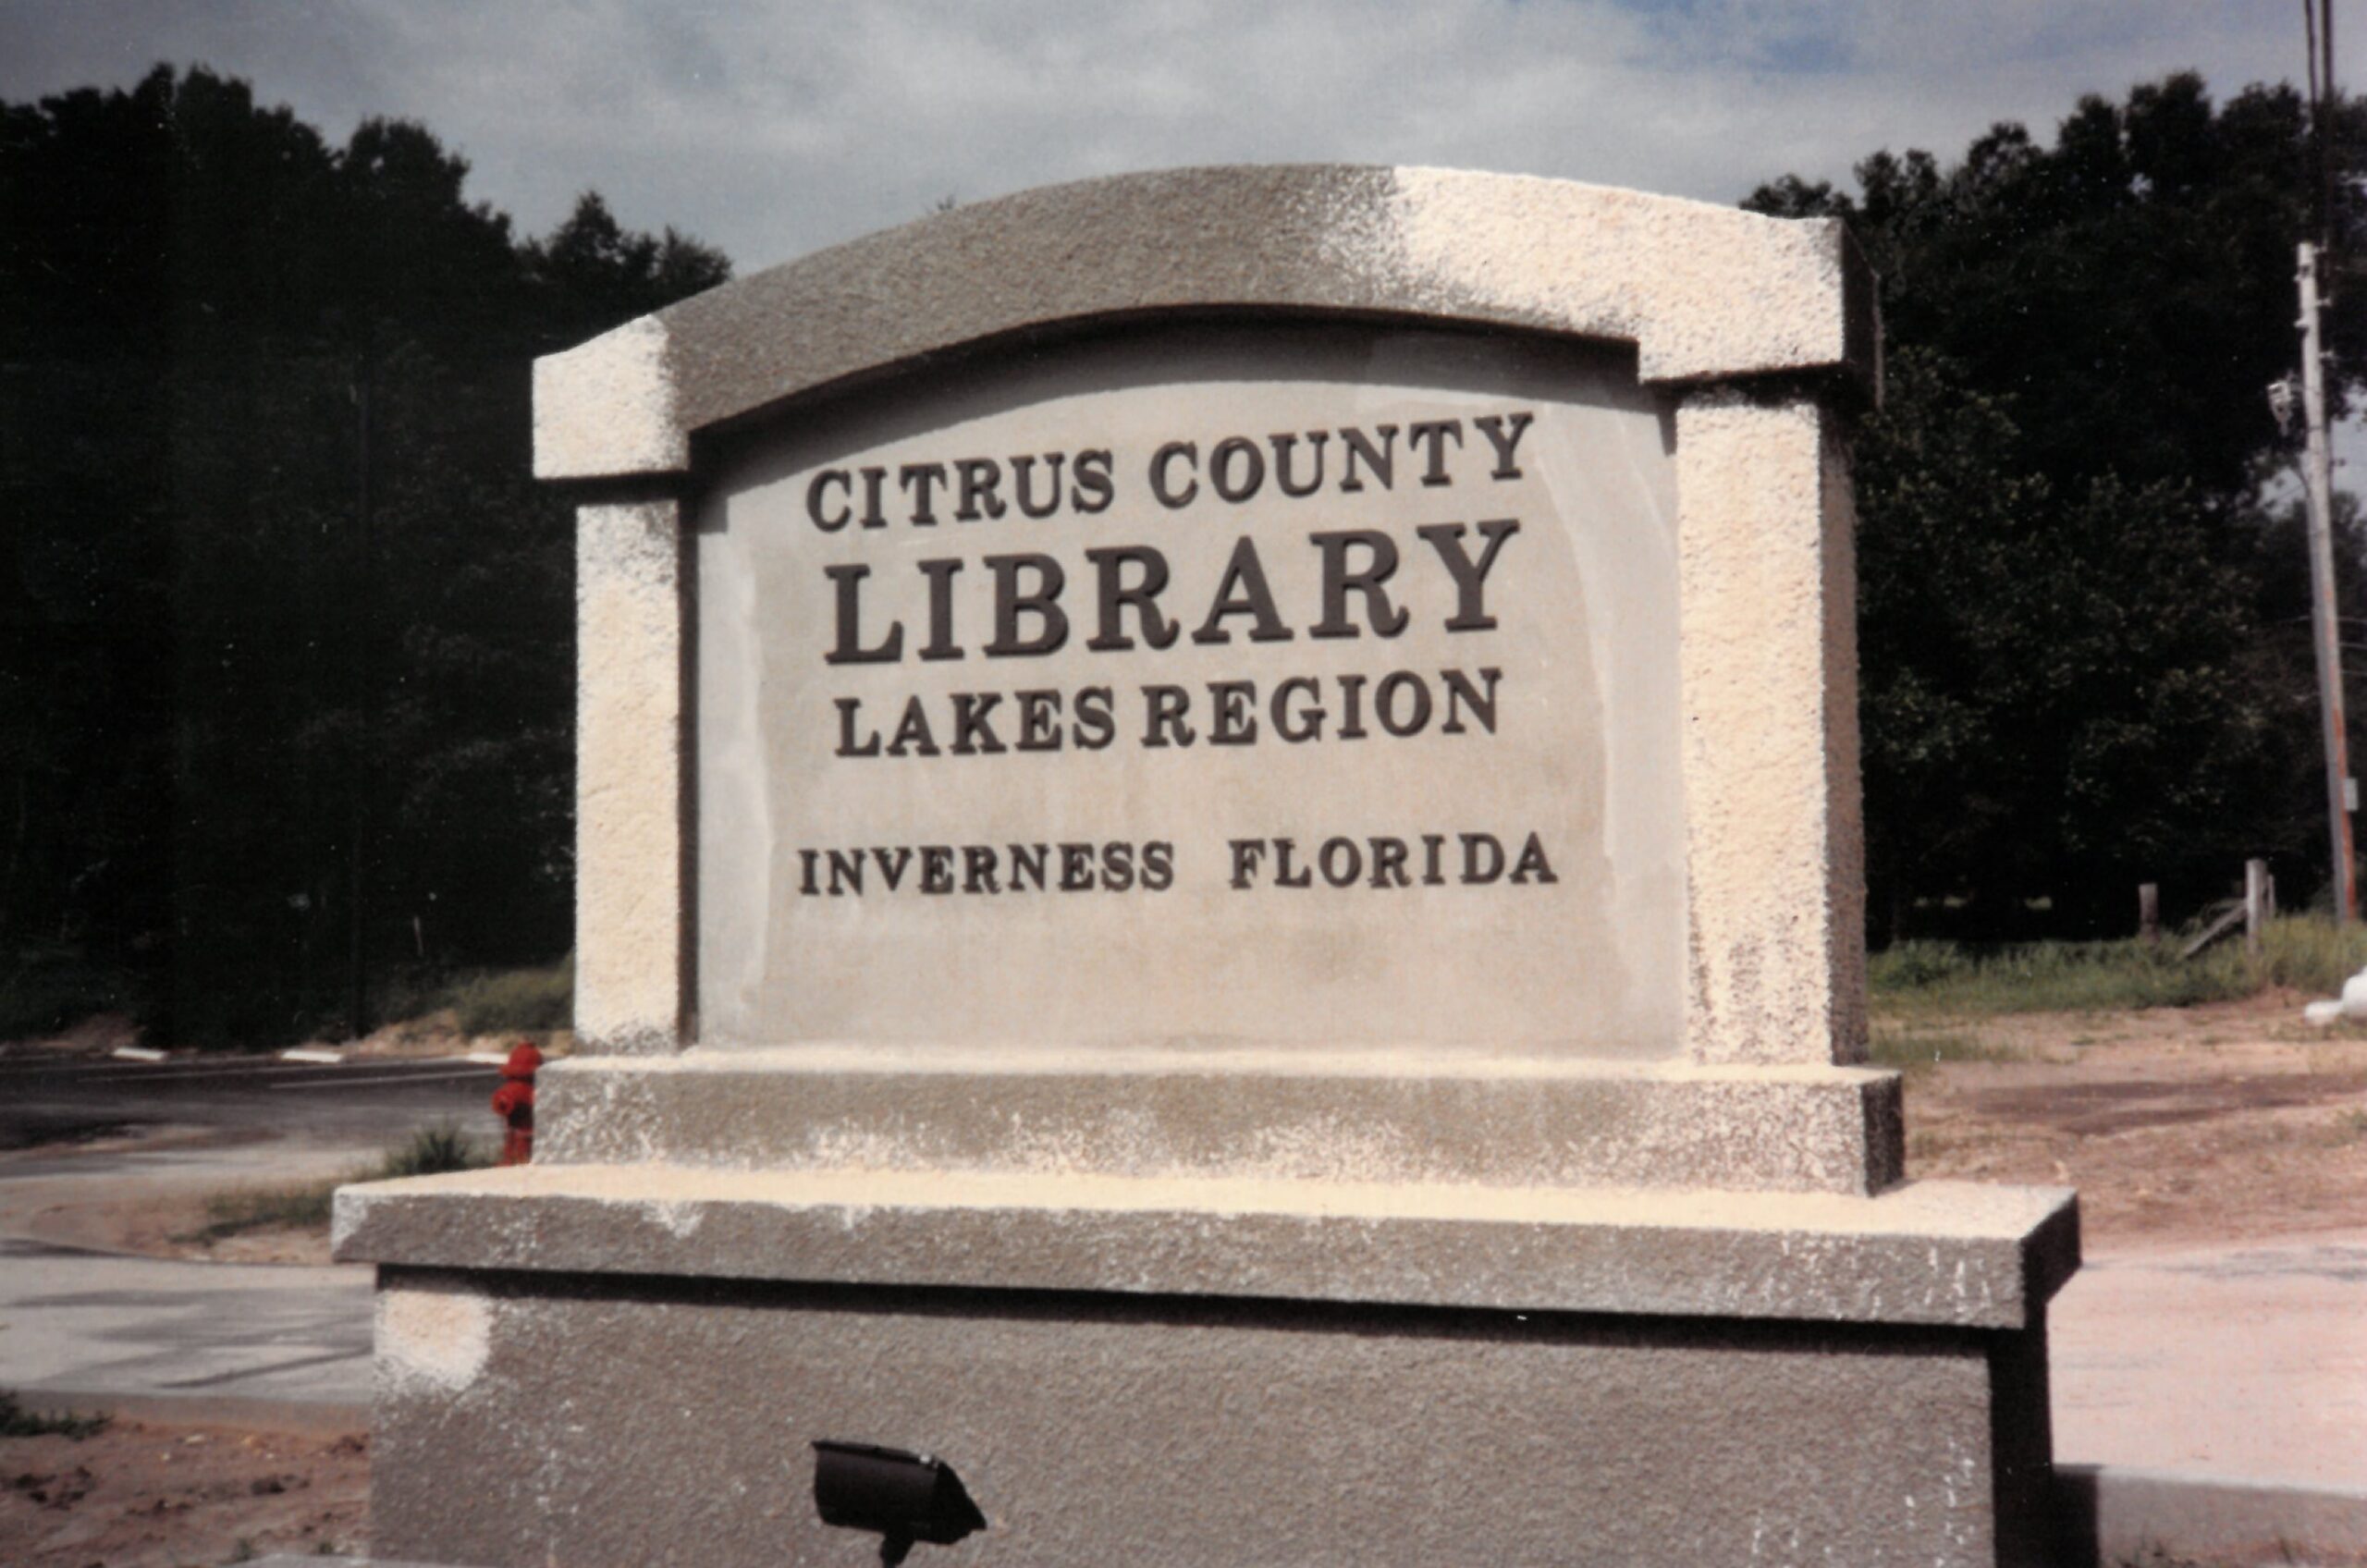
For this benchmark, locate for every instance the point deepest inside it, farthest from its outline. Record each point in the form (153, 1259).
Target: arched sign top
(1706, 293)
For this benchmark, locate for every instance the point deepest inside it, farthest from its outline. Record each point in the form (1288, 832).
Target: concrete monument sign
(1031, 704)
(1218, 879)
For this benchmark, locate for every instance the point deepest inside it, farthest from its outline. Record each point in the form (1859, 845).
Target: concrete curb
(2124, 1513)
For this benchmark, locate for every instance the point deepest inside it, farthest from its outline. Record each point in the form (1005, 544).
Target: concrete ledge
(1706, 292)
(2126, 1513)
(1932, 1253)
(1341, 1116)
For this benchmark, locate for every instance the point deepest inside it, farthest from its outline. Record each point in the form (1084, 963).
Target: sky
(772, 128)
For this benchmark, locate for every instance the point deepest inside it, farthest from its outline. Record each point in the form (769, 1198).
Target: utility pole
(2317, 468)
(2318, 481)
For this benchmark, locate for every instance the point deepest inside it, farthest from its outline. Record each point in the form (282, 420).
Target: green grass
(266, 1208)
(1908, 1048)
(496, 1000)
(1948, 980)
(16, 1421)
(429, 1152)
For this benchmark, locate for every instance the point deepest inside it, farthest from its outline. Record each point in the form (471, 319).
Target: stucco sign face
(1300, 687)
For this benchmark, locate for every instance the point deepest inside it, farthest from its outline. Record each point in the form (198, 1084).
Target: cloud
(773, 127)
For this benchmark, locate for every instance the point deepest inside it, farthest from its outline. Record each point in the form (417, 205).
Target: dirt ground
(153, 1495)
(2230, 1121)
(163, 1213)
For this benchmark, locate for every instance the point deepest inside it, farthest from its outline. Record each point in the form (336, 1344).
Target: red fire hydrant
(514, 1103)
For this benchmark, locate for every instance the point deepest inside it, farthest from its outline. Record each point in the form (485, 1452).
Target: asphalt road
(43, 1099)
(83, 1325)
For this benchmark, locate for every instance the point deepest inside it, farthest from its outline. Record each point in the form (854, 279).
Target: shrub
(430, 1152)
(502, 999)
(16, 1421)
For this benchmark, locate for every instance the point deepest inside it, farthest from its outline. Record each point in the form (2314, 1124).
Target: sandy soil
(160, 1216)
(144, 1495)
(2225, 1122)
(161, 1212)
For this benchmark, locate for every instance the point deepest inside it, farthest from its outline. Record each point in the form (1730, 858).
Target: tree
(205, 309)
(2080, 669)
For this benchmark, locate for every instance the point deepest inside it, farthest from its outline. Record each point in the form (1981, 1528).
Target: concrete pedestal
(1536, 1214)
(593, 1365)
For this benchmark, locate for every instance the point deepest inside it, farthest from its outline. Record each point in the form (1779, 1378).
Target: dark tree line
(274, 581)
(2084, 633)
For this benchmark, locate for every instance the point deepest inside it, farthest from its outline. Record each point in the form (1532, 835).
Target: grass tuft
(17, 1421)
(1946, 979)
(429, 1152)
(1910, 1048)
(266, 1208)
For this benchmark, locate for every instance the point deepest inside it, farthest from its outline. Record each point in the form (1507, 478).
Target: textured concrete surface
(2241, 1362)
(1709, 295)
(1706, 292)
(628, 778)
(1223, 1312)
(1930, 1253)
(1372, 1117)
(80, 1323)
(2102, 1515)
(1577, 750)
(1775, 878)
(608, 407)
(555, 1423)
(2224, 1369)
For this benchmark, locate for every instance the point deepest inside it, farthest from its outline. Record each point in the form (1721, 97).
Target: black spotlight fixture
(905, 1498)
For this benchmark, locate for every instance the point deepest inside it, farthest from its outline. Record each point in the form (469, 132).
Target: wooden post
(2259, 903)
(2149, 912)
